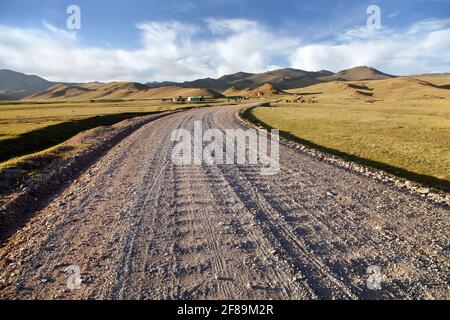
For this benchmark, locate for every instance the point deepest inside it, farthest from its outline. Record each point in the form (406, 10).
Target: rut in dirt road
(140, 227)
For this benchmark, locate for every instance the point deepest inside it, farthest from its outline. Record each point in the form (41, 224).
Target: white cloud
(394, 14)
(169, 51)
(70, 35)
(177, 51)
(243, 45)
(423, 47)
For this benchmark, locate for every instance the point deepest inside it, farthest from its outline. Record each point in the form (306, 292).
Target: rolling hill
(403, 88)
(116, 91)
(357, 74)
(438, 79)
(266, 90)
(335, 89)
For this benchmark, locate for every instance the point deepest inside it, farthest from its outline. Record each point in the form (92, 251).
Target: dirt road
(140, 227)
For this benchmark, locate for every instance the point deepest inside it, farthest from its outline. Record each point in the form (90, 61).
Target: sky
(175, 40)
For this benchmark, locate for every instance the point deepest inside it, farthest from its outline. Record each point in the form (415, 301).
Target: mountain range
(283, 79)
(15, 85)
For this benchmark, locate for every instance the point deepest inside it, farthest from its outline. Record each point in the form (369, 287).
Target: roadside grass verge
(17, 119)
(406, 140)
(44, 138)
(27, 128)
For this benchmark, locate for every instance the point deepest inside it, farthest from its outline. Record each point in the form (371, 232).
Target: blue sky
(183, 40)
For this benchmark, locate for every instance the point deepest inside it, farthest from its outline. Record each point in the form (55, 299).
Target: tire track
(141, 227)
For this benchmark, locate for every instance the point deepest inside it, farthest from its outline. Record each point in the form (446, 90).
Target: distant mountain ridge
(15, 85)
(284, 79)
(287, 78)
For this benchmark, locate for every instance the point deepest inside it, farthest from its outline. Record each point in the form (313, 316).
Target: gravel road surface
(139, 227)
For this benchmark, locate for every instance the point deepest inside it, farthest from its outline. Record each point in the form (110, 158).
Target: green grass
(409, 139)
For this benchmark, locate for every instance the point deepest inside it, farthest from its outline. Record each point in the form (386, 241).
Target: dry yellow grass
(402, 88)
(437, 80)
(19, 119)
(403, 127)
(28, 128)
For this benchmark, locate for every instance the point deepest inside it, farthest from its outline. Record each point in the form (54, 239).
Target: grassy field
(31, 127)
(17, 119)
(408, 138)
(437, 80)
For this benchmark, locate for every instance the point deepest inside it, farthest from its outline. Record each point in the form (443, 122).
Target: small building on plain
(196, 99)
